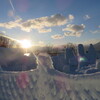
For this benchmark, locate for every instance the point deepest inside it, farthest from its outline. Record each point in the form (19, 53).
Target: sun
(25, 43)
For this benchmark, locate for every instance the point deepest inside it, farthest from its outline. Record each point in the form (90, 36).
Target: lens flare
(27, 54)
(82, 59)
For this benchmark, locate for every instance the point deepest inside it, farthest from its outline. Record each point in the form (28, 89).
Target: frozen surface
(45, 83)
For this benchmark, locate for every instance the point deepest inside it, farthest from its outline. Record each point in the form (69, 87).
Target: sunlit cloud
(41, 43)
(57, 36)
(10, 25)
(86, 17)
(77, 34)
(71, 17)
(74, 30)
(39, 23)
(44, 30)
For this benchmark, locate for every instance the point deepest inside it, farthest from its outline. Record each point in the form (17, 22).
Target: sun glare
(25, 43)
(27, 54)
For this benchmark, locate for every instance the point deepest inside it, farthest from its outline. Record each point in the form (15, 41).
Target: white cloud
(39, 23)
(41, 43)
(71, 17)
(74, 30)
(95, 31)
(86, 17)
(99, 26)
(57, 36)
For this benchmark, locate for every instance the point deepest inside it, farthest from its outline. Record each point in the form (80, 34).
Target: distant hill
(97, 46)
(8, 42)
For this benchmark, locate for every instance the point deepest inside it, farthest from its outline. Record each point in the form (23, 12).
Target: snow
(46, 83)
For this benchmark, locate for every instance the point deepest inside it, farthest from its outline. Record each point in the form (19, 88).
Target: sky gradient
(51, 21)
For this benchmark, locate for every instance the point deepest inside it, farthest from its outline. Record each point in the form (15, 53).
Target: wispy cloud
(39, 23)
(10, 1)
(44, 30)
(86, 17)
(57, 36)
(74, 30)
(41, 43)
(11, 13)
(95, 31)
(71, 17)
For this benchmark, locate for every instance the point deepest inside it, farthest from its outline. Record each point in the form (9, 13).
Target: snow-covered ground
(46, 83)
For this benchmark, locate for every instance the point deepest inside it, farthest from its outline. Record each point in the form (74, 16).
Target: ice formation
(91, 55)
(81, 50)
(71, 60)
(82, 60)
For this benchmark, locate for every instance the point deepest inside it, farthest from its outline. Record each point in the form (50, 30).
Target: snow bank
(45, 83)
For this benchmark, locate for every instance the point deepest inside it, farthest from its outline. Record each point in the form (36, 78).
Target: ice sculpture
(91, 55)
(71, 60)
(82, 59)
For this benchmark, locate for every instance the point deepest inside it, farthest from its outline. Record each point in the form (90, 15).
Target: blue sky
(51, 21)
